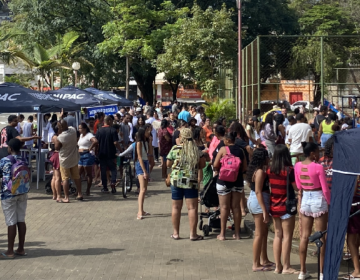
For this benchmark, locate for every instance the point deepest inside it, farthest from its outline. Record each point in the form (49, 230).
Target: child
(14, 203)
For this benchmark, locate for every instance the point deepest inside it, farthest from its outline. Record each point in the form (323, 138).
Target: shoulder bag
(291, 201)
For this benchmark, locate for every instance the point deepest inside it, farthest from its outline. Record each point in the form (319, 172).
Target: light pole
(127, 78)
(238, 4)
(75, 66)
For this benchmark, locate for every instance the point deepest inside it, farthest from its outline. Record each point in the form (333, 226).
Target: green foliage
(20, 79)
(225, 108)
(200, 44)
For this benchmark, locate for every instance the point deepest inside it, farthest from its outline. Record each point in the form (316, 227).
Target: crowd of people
(277, 156)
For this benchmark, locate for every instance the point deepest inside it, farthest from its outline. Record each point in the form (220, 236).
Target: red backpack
(230, 166)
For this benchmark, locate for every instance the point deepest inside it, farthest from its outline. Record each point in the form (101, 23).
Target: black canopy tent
(110, 96)
(79, 96)
(15, 98)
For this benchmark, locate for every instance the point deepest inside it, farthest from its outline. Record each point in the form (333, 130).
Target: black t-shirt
(11, 133)
(106, 137)
(175, 136)
(317, 121)
(238, 152)
(242, 144)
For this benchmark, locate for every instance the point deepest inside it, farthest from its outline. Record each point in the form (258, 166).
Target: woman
(229, 192)
(220, 135)
(175, 138)
(193, 111)
(250, 131)
(269, 134)
(207, 129)
(49, 127)
(326, 128)
(144, 150)
(259, 206)
(281, 167)
(203, 119)
(198, 135)
(222, 121)
(310, 177)
(186, 162)
(165, 145)
(54, 159)
(86, 144)
(45, 128)
(279, 129)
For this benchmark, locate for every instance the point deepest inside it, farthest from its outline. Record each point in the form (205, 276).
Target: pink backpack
(230, 166)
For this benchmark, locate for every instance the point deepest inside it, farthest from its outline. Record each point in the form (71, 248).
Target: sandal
(4, 256)
(146, 214)
(175, 238)
(262, 269)
(199, 237)
(139, 217)
(20, 255)
(291, 271)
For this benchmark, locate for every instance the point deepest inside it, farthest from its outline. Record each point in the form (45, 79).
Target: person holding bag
(282, 184)
(310, 178)
(230, 164)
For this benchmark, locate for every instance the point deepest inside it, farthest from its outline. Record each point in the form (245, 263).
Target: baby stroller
(48, 189)
(209, 198)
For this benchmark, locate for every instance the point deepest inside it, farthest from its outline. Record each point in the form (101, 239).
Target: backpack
(230, 166)
(20, 177)
(3, 138)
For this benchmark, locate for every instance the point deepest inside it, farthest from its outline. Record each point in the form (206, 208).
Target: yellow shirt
(327, 128)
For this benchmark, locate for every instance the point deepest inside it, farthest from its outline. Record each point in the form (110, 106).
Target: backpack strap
(12, 159)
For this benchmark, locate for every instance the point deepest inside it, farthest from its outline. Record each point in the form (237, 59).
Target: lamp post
(75, 66)
(238, 4)
(127, 78)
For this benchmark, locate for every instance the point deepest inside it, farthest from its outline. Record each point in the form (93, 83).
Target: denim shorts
(324, 138)
(138, 168)
(253, 203)
(313, 204)
(180, 193)
(86, 159)
(223, 190)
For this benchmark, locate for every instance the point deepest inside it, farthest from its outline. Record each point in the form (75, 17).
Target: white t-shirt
(299, 132)
(198, 119)
(135, 120)
(155, 142)
(84, 142)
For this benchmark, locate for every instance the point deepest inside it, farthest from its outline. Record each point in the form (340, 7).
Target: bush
(225, 108)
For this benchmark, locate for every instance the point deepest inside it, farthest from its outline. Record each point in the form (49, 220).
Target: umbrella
(79, 96)
(111, 96)
(15, 98)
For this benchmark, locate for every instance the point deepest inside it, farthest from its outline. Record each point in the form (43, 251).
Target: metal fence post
(322, 69)
(258, 70)
(243, 85)
(252, 76)
(247, 81)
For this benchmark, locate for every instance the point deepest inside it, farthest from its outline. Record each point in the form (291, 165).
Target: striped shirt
(278, 192)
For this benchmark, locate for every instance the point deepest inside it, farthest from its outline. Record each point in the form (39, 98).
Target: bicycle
(128, 177)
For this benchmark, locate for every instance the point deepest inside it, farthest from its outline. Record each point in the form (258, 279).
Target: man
(147, 107)
(9, 132)
(13, 205)
(19, 129)
(298, 133)
(284, 112)
(199, 110)
(174, 107)
(91, 124)
(99, 122)
(66, 144)
(138, 115)
(122, 111)
(70, 120)
(184, 114)
(160, 111)
(172, 120)
(108, 139)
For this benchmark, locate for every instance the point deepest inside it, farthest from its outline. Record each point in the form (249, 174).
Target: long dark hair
(140, 137)
(309, 147)
(143, 119)
(279, 119)
(280, 160)
(164, 123)
(329, 147)
(269, 119)
(258, 161)
(331, 118)
(53, 118)
(197, 133)
(240, 131)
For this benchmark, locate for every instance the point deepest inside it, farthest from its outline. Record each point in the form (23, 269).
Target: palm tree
(10, 52)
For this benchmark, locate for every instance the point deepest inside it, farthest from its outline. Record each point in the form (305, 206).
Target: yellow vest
(327, 128)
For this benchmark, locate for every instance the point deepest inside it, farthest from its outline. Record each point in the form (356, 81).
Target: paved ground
(100, 238)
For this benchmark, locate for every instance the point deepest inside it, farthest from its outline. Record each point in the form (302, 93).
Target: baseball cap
(138, 109)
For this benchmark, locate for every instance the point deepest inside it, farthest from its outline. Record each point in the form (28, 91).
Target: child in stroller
(209, 198)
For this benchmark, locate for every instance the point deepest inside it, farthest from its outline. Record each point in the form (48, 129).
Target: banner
(107, 110)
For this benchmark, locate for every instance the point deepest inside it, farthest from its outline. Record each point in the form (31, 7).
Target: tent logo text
(9, 97)
(70, 96)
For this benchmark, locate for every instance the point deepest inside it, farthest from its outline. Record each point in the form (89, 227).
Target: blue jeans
(139, 170)
(324, 138)
(253, 203)
(180, 193)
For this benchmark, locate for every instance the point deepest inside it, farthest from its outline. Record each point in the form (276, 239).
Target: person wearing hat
(14, 206)
(138, 113)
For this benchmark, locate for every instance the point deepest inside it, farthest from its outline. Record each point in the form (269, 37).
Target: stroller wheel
(206, 230)
(233, 227)
(201, 225)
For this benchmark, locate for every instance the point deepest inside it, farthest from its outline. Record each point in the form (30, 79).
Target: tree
(11, 52)
(138, 32)
(200, 44)
(322, 20)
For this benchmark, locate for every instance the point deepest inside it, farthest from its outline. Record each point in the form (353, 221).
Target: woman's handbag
(167, 180)
(291, 201)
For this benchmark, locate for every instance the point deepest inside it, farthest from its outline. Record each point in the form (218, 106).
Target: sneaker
(104, 190)
(303, 276)
(321, 276)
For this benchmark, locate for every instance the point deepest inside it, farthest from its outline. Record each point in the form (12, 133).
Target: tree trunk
(174, 88)
(145, 83)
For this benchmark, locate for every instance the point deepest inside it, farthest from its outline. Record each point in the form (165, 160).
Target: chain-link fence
(285, 69)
